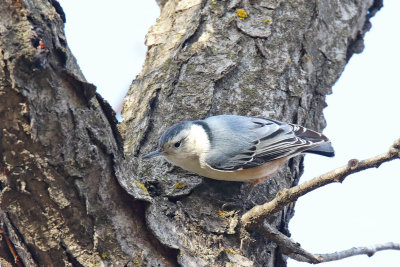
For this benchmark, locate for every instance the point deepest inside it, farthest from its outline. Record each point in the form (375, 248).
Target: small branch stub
(353, 163)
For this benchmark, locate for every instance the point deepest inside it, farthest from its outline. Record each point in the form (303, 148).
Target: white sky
(363, 121)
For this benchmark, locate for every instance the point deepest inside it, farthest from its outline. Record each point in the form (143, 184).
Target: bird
(237, 148)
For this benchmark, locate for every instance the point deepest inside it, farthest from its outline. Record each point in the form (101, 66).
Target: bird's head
(182, 141)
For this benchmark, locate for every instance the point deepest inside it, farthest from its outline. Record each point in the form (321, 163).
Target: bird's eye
(177, 144)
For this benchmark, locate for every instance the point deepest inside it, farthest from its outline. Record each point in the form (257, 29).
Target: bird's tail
(325, 149)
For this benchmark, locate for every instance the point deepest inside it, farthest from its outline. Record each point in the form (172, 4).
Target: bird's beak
(152, 154)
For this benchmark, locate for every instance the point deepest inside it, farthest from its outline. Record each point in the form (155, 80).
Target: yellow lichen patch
(179, 185)
(104, 255)
(227, 251)
(267, 20)
(241, 13)
(214, 2)
(141, 186)
(289, 60)
(221, 213)
(137, 262)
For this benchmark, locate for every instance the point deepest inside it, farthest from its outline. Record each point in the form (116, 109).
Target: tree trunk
(60, 154)
(68, 195)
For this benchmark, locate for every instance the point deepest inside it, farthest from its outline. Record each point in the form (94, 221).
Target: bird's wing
(258, 141)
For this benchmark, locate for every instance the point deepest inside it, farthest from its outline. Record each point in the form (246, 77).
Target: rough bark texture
(61, 155)
(207, 58)
(69, 197)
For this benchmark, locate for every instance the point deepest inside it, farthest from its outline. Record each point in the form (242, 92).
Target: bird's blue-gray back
(236, 140)
(245, 142)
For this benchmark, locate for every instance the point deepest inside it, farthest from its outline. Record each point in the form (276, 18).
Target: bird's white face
(177, 147)
(187, 147)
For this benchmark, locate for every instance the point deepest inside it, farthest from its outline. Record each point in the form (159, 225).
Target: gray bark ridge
(232, 57)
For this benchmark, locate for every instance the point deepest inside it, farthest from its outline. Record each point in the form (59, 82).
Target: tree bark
(68, 194)
(61, 203)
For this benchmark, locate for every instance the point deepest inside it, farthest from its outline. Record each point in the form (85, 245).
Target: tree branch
(289, 247)
(255, 216)
(296, 252)
(370, 251)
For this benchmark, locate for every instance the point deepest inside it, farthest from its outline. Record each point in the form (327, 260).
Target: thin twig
(11, 247)
(369, 251)
(293, 250)
(255, 216)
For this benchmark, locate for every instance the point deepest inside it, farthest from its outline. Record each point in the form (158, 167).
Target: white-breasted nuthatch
(237, 148)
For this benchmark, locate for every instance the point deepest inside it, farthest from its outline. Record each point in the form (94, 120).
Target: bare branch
(257, 214)
(293, 249)
(288, 246)
(370, 251)
(253, 219)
